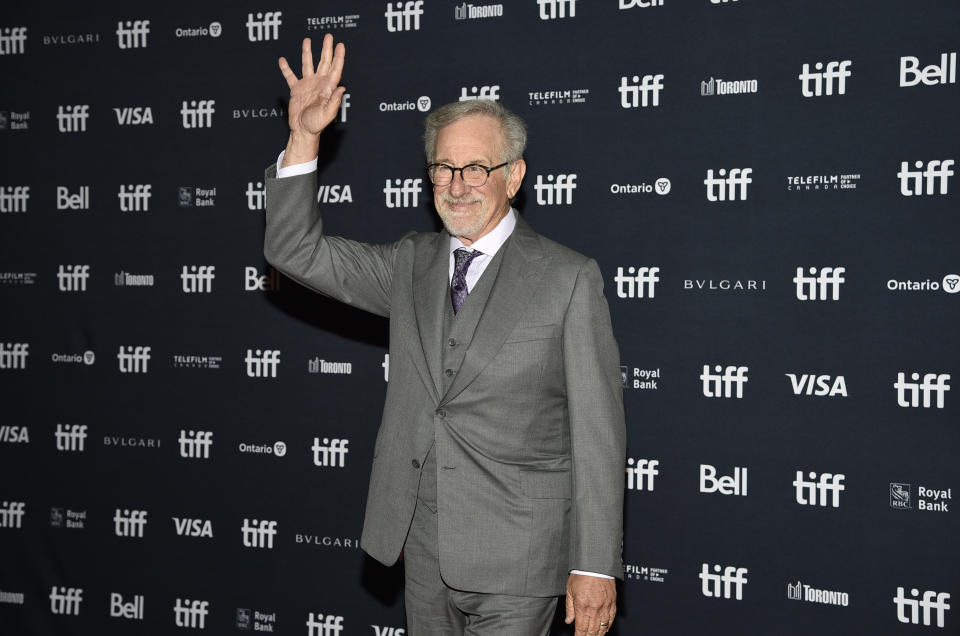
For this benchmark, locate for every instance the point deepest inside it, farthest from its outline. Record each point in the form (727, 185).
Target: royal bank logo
(14, 434)
(197, 279)
(931, 178)
(73, 278)
(129, 523)
(901, 497)
(404, 16)
(133, 358)
(126, 279)
(933, 604)
(643, 4)
(195, 528)
(334, 194)
(65, 600)
(14, 598)
(132, 610)
(557, 9)
(330, 22)
(258, 533)
(256, 195)
(403, 193)
(195, 444)
(644, 379)
(13, 40)
(661, 186)
(196, 197)
(718, 86)
(262, 363)
(135, 198)
(197, 113)
(800, 591)
(640, 92)
(822, 285)
(264, 26)
(491, 93)
(554, 97)
(466, 11)
(73, 118)
(132, 34)
(254, 281)
(930, 392)
(641, 473)
(12, 120)
(319, 365)
(819, 385)
(134, 115)
(213, 30)
(68, 201)
(824, 78)
(644, 573)
(735, 484)
(949, 284)
(555, 190)
(928, 499)
(724, 382)
(728, 187)
(320, 625)
(332, 453)
(819, 491)
(190, 613)
(255, 620)
(723, 582)
(196, 362)
(943, 73)
(67, 518)
(637, 282)
(70, 438)
(70, 39)
(14, 198)
(11, 514)
(823, 182)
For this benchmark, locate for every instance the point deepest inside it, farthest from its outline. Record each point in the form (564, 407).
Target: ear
(517, 170)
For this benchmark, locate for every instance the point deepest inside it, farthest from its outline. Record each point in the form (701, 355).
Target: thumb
(571, 613)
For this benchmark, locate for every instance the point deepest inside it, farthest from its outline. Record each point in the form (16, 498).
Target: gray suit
(518, 399)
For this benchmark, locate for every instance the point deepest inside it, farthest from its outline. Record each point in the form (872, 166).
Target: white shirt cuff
(296, 169)
(599, 576)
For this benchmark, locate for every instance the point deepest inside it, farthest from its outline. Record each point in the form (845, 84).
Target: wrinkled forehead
(473, 137)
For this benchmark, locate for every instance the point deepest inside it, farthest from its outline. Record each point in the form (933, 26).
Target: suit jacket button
(415, 463)
(448, 372)
(442, 413)
(452, 342)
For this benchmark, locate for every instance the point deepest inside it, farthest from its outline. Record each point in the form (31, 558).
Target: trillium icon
(951, 283)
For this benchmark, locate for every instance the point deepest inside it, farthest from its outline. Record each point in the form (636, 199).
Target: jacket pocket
(546, 484)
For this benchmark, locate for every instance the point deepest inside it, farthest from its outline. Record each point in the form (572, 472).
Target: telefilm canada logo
(645, 573)
(827, 182)
(329, 22)
(191, 361)
(554, 97)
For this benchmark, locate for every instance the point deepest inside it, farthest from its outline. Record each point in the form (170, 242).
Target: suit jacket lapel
(431, 274)
(520, 271)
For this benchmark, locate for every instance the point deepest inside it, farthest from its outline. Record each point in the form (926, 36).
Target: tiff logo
(815, 491)
(195, 444)
(642, 92)
(13, 355)
(912, 182)
(333, 452)
(262, 364)
(724, 187)
(553, 9)
(73, 278)
(133, 359)
(931, 601)
(331, 625)
(14, 198)
(73, 118)
(945, 73)
(256, 195)
(722, 383)
(132, 34)
(822, 286)
(344, 105)
(70, 437)
(839, 71)
(258, 534)
(198, 279)
(66, 600)
(198, 114)
(135, 198)
(266, 26)
(13, 40)
(732, 577)
(11, 514)
(908, 393)
(403, 196)
(129, 523)
(193, 614)
(641, 473)
(485, 92)
(405, 17)
(563, 187)
(639, 282)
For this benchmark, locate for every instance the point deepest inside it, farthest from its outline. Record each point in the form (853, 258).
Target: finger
(306, 58)
(571, 612)
(336, 69)
(326, 54)
(288, 73)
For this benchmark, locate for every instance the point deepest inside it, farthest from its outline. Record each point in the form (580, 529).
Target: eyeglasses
(473, 174)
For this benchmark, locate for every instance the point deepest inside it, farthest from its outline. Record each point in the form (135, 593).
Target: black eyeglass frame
(454, 171)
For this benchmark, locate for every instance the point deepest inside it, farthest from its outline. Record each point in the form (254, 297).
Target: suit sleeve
(594, 387)
(359, 274)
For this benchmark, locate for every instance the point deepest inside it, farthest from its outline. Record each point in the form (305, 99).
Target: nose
(457, 187)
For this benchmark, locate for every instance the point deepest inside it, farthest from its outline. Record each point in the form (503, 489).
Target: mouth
(459, 205)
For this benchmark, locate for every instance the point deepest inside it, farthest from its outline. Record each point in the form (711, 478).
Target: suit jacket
(529, 435)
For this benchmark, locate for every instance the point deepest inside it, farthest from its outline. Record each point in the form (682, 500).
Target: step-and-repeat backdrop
(770, 189)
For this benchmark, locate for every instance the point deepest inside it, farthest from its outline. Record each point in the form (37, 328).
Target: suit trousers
(435, 609)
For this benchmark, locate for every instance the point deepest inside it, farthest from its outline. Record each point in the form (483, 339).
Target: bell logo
(815, 492)
(722, 383)
(320, 625)
(732, 578)
(70, 437)
(129, 523)
(258, 534)
(132, 34)
(253, 281)
(944, 73)
(132, 610)
(822, 80)
(643, 4)
(637, 282)
(923, 180)
(553, 9)
(403, 196)
(637, 92)
(724, 187)
(822, 286)
(909, 393)
(13, 355)
(14, 198)
(135, 198)
(641, 472)
(67, 201)
(266, 26)
(256, 195)
(73, 118)
(725, 485)
(65, 600)
(73, 278)
(11, 514)
(491, 93)
(931, 601)
(405, 17)
(133, 359)
(13, 40)
(198, 114)
(192, 614)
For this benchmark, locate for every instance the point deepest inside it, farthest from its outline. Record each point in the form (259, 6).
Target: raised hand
(314, 98)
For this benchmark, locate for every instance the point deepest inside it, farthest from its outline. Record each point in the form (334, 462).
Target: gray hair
(511, 125)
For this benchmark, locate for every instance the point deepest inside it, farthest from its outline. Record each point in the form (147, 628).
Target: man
(498, 467)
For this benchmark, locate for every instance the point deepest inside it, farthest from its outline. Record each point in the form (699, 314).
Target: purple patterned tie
(458, 285)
